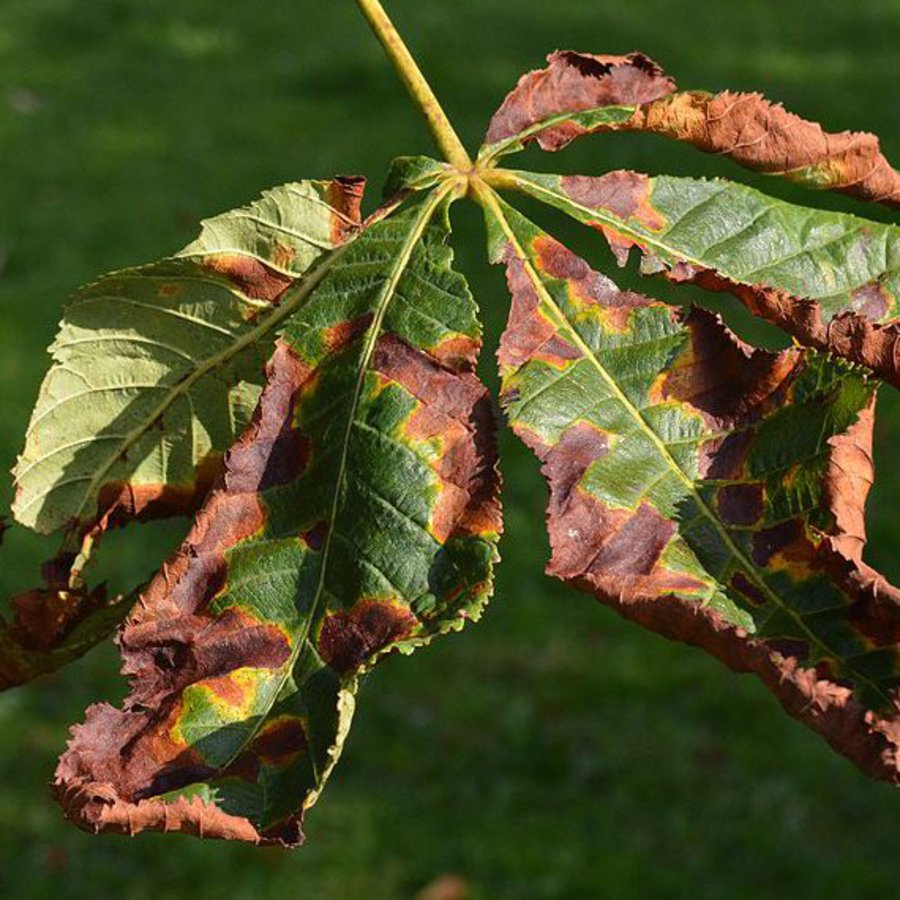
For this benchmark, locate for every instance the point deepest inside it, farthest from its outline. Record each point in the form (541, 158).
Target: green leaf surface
(694, 481)
(156, 370)
(830, 279)
(358, 515)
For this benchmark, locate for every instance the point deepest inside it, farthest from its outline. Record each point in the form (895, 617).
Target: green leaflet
(841, 261)
(358, 515)
(287, 229)
(827, 278)
(156, 370)
(684, 468)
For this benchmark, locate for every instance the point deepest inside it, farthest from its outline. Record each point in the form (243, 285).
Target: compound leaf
(358, 515)
(711, 492)
(346, 487)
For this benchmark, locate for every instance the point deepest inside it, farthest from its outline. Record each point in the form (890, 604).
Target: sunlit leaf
(582, 93)
(302, 382)
(358, 515)
(831, 280)
(712, 492)
(157, 369)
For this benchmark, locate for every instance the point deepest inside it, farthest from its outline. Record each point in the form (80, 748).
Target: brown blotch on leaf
(315, 537)
(615, 553)
(610, 549)
(573, 82)
(272, 451)
(280, 741)
(121, 502)
(529, 334)
(343, 333)
(119, 759)
(455, 408)
(277, 745)
(624, 194)
(851, 473)
(872, 301)
(526, 328)
(345, 194)
(567, 462)
(348, 639)
(724, 457)
(747, 589)
(636, 546)
(876, 612)
(615, 556)
(740, 504)
(777, 539)
(722, 377)
(764, 136)
(87, 789)
(458, 352)
(585, 285)
(197, 571)
(250, 276)
(171, 654)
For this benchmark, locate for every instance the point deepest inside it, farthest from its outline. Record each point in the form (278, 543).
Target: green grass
(553, 751)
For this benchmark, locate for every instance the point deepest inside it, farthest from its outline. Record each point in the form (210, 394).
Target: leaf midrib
(528, 186)
(493, 204)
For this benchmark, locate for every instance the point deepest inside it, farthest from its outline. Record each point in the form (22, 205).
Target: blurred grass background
(553, 751)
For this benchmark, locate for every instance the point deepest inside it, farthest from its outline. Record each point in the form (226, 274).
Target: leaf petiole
(411, 75)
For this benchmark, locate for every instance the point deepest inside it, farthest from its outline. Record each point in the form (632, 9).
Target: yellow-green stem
(411, 75)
